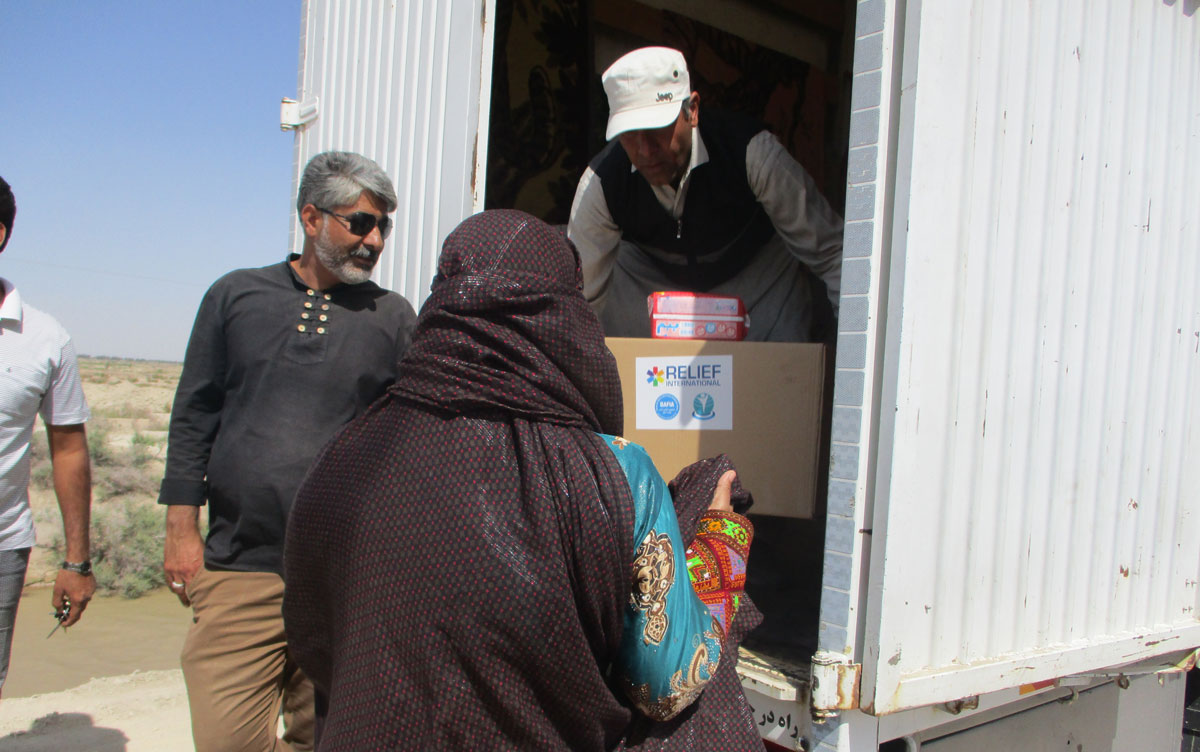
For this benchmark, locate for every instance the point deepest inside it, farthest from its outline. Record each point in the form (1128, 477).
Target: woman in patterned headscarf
(480, 563)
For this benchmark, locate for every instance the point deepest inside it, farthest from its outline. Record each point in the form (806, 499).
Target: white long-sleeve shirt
(807, 229)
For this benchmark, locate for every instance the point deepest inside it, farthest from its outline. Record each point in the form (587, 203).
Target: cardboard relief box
(759, 402)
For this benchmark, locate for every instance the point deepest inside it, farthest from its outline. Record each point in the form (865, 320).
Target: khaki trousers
(239, 675)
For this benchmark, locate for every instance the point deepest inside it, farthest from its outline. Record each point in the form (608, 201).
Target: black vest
(723, 225)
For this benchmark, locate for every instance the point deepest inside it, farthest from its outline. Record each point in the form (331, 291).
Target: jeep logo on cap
(664, 96)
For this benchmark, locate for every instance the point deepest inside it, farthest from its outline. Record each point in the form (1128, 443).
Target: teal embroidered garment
(672, 640)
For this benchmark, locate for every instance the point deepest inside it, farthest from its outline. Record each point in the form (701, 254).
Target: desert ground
(111, 683)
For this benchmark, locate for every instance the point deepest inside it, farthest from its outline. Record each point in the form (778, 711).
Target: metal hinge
(294, 115)
(835, 684)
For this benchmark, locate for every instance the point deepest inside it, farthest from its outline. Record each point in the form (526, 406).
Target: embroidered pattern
(684, 689)
(654, 574)
(734, 530)
(716, 563)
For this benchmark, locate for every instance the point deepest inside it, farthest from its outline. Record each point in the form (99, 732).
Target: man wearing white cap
(720, 207)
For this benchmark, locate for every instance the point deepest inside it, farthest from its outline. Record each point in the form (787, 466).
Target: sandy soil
(129, 386)
(138, 712)
(111, 682)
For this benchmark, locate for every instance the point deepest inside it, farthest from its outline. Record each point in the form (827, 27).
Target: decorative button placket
(306, 315)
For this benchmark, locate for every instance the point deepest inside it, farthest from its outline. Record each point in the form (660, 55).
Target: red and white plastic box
(697, 315)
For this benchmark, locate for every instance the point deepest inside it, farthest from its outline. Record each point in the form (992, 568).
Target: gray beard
(339, 262)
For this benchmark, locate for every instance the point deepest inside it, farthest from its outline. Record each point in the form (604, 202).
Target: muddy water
(115, 637)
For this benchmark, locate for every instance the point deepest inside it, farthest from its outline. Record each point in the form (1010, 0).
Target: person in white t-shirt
(39, 374)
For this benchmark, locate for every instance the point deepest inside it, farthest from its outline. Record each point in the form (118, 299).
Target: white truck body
(1014, 495)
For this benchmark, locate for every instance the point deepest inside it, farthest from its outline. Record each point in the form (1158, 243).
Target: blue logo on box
(703, 406)
(666, 406)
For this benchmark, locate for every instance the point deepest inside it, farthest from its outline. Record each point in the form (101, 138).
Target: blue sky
(142, 143)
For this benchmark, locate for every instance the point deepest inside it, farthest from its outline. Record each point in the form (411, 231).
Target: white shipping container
(1037, 463)
(1015, 466)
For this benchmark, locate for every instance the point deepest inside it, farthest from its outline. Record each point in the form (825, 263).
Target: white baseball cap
(645, 89)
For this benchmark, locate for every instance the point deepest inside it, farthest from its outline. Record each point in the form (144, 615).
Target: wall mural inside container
(538, 137)
(794, 99)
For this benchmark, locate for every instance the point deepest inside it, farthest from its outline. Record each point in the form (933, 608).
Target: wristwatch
(79, 567)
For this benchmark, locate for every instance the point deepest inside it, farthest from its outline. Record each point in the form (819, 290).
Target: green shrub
(41, 476)
(39, 449)
(143, 448)
(97, 439)
(124, 479)
(118, 471)
(127, 547)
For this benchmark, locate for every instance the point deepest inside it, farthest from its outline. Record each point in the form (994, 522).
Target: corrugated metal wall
(402, 83)
(1039, 460)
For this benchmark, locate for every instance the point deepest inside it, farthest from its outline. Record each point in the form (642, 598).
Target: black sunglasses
(361, 223)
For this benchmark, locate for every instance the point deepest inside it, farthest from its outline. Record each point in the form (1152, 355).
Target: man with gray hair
(711, 206)
(279, 359)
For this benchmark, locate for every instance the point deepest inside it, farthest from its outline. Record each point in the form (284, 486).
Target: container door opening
(785, 62)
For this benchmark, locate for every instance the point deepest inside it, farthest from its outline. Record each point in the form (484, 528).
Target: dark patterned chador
(459, 560)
